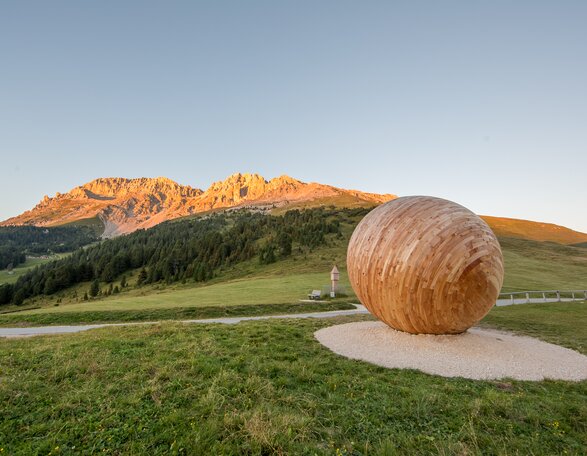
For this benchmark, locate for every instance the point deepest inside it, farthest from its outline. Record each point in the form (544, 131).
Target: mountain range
(124, 205)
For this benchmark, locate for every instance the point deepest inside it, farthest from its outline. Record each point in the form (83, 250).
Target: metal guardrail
(520, 297)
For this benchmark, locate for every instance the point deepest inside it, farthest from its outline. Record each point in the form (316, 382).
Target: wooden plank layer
(425, 265)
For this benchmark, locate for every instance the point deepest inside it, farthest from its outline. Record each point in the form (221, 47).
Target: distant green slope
(533, 265)
(30, 263)
(17, 243)
(94, 223)
(536, 231)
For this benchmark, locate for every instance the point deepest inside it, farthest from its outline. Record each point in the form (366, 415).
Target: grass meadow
(563, 323)
(30, 263)
(529, 265)
(169, 313)
(534, 265)
(269, 387)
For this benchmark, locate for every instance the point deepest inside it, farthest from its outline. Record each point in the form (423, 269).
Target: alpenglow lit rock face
(124, 205)
(425, 265)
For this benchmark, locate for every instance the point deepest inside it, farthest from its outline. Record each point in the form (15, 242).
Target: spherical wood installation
(425, 265)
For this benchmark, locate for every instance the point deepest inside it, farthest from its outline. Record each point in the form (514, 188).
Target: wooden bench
(315, 294)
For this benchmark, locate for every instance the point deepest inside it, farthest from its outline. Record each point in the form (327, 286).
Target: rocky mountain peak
(125, 205)
(238, 180)
(119, 186)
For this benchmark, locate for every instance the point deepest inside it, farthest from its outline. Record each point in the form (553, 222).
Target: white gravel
(479, 354)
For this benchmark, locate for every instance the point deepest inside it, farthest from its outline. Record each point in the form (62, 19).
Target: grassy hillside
(530, 265)
(270, 388)
(94, 223)
(345, 200)
(536, 231)
(244, 291)
(248, 283)
(17, 243)
(188, 251)
(30, 263)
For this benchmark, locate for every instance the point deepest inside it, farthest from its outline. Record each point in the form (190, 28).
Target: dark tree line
(16, 242)
(180, 251)
(11, 256)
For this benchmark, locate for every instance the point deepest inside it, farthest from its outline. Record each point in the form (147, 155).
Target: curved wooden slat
(425, 265)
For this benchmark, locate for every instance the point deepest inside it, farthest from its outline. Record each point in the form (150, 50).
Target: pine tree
(19, 297)
(95, 288)
(267, 255)
(142, 277)
(284, 241)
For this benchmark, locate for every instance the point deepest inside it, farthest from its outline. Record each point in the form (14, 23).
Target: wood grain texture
(425, 265)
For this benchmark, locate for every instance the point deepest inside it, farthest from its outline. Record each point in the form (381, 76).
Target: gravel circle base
(480, 354)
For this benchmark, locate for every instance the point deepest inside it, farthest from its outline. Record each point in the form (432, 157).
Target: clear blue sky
(481, 102)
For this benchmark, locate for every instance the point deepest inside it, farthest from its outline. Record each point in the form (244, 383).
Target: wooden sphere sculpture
(425, 265)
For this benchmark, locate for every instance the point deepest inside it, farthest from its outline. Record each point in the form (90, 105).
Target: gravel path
(45, 330)
(478, 353)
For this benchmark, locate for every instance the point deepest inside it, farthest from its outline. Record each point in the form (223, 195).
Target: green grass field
(245, 291)
(563, 323)
(247, 283)
(533, 265)
(270, 388)
(170, 313)
(530, 265)
(30, 263)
